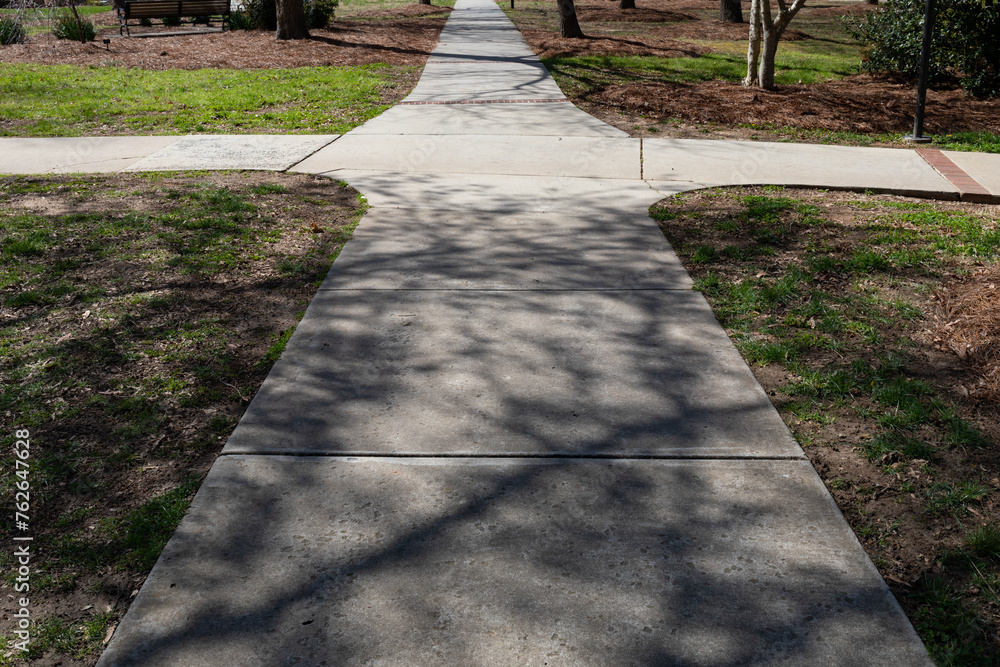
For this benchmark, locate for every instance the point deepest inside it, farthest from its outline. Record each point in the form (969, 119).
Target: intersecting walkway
(506, 431)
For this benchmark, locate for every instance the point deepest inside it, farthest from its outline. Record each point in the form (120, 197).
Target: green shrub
(172, 21)
(67, 27)
(964, 42)
(11, 32)
(238, 20)
(319, 13)
(263, 14)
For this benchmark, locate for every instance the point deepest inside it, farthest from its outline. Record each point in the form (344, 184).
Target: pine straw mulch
(405, 41)
(971, 328)
(860, 103)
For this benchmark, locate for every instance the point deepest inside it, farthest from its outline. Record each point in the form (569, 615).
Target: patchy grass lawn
(140, 313)
(872, 322)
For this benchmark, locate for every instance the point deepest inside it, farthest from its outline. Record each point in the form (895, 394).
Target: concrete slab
(75, 154)
(560, 119)
(503, 193)
(630, 373)
(428, 249)
(247, 151)
(305, 561)
(759, 163)
(984, 167)
(580, 157)
(516, 50)
(512, 52)
(476, 85)
(498, 33)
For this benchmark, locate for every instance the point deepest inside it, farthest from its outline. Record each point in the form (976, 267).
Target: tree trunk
(730, 11)
(425, 2)
(753, 47)
(626, 4)
(79, 23)
(568, 25)
(765, 32)
(769, 47)
(291, 20)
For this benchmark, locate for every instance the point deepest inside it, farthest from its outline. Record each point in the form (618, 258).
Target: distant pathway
(506, 431)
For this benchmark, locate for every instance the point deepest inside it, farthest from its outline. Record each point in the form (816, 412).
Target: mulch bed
(970, 327)
(406, 41)
(859, 103)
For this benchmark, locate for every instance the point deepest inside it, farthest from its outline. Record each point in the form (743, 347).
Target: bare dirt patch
(932, 329)
(150, 351)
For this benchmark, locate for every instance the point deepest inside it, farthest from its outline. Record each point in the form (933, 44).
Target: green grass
(131, 543)
(66, 100)
(983, 142)
(77, 639)
(985, 541)
(585, 74)
(949, 625)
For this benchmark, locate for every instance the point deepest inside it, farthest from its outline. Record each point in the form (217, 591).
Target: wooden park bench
(199, 11)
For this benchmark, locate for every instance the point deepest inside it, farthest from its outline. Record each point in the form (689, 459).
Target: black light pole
(925, 57)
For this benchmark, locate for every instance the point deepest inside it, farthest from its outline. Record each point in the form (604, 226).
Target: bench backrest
(204, 7)
(154, 9)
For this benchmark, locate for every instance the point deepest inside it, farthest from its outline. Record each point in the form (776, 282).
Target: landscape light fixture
(107, 43)
(925, 57)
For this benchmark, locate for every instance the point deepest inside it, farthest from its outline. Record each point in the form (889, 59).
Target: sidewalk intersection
(506, 431)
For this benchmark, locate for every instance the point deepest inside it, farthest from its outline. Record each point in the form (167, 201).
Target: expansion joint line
(642, 165)
(306, 157)
(524, 101)
(510, 455)
(512, 61)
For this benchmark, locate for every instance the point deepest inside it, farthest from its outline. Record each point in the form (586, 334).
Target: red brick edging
(969, 188)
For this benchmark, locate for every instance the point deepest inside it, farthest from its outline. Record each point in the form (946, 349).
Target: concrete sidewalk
(506, 431)
(521, 137)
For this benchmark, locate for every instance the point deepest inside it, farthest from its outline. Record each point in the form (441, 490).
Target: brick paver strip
(969, 188)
